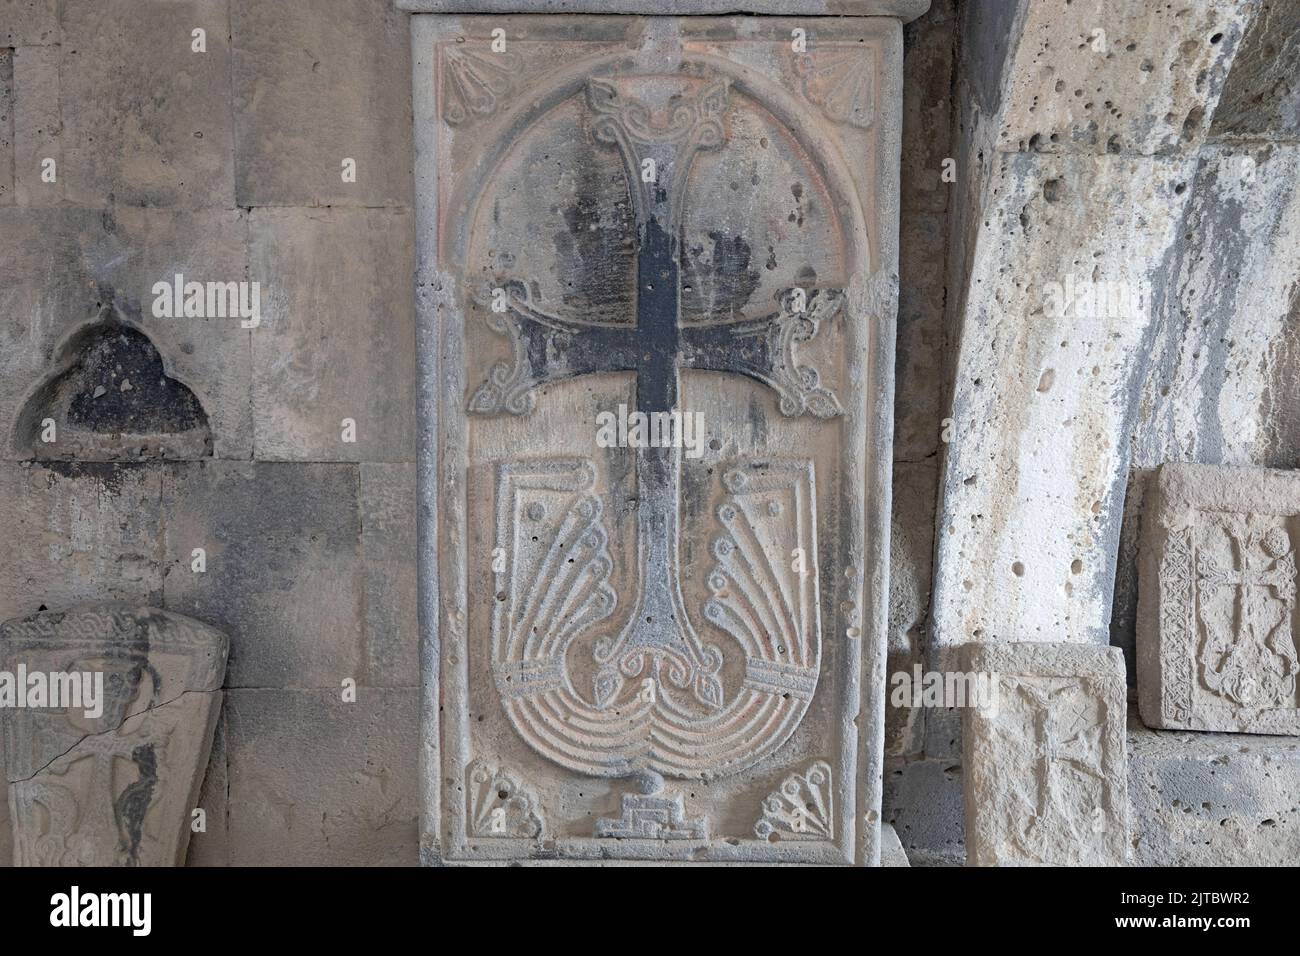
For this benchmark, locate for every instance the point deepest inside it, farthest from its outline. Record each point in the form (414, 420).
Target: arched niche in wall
(110, 397)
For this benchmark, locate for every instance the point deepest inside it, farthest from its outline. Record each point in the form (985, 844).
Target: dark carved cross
(658, 639)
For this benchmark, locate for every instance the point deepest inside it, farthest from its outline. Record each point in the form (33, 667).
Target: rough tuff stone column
(1045, 770)
(115, 788)
(1218, 628)
(1081, 131)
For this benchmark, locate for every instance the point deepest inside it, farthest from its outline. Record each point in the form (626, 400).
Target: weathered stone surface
(211, 846)
(1213, 799)
(1261, 99)
(283, 573)
(904, 9)
(316, 781)
(313, 369)
(919, 367)
(78, 532)
(659, 625)
(1225, 358)
(1099, 77)
(130, 142)
(1218, 626)
(318, 82)
(6, 127)
(911, 551)
(38, 125)
(923, 804)
(113, 788)
(66, 272)
(1032, 491)
(891, 850)
(928, 49)
(388, 551)
(28, 23)
(1044, 767)
(109, 397)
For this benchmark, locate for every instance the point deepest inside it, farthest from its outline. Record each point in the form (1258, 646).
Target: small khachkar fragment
(1045, 771)
(106, 753)
(1218, 627)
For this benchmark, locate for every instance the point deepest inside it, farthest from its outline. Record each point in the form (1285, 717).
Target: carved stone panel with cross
(1044, 764)
(657, 290)
(1218, 635)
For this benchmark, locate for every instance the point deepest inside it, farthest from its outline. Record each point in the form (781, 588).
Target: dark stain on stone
(721, 283)
(131, 807)
(757, 419)
(121, 387)
(797, 216)
(594, 250)
(109, 474)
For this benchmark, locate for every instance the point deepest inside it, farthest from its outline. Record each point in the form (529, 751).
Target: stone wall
(227, 165)
(1165, 160)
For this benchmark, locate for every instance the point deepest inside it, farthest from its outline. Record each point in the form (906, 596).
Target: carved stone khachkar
(1044, 758)
(1218, 628)
(115, 787)
(686, 225)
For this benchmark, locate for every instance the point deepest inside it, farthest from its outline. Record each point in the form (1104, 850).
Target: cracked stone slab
(113, 788)
(655, 213)
(1218, 627)
(1044, 760)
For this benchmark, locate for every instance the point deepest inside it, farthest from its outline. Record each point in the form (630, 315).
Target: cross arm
(546, 348)
(764, 349)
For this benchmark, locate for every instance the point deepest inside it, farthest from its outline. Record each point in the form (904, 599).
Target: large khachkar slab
(1218, 628)
(1044, 763)
(106, 755)
(656, 643)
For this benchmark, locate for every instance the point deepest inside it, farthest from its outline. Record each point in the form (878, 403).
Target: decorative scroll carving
(801, 808)
(842, 83)
(499, 806)
(474, 84)
(1177, 609)
(555, 591)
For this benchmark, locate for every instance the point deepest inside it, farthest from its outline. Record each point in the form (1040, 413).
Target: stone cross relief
(656, 702)
(1253, 661)
(1068, 751)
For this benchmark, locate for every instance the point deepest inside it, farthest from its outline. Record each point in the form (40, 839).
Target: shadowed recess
(110, 398)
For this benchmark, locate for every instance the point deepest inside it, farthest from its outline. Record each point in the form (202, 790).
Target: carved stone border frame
(867, 456)
(1168, 631)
